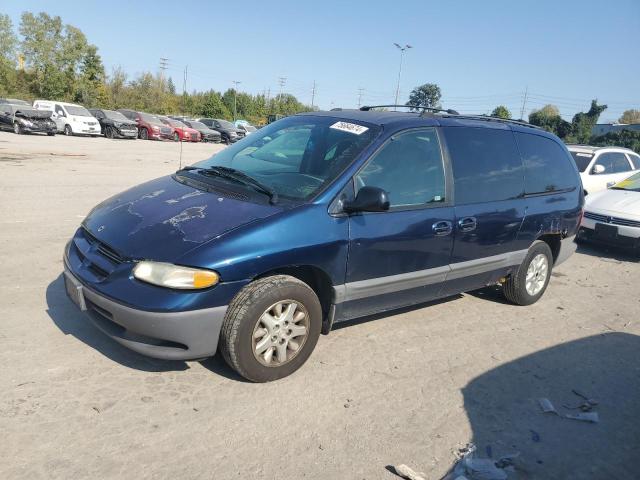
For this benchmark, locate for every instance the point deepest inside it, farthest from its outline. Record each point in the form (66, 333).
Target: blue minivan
(320, 218)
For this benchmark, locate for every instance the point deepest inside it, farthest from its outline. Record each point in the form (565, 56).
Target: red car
(181, 133)
(149, 126)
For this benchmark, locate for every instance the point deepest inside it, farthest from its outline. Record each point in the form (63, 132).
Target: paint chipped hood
(164, 219)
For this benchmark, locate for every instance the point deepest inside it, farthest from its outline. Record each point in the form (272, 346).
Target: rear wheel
(108, 132)
(530, 281)
(17, 129)
(51, 134)
(67, 130)
(176, 137)
(271, 328)
(144, 134)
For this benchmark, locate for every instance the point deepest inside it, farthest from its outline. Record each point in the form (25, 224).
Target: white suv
(70, 119)
(601, 167)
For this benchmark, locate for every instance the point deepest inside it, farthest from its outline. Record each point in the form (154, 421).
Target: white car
(601, 167)
(71, 119)
(613, 216)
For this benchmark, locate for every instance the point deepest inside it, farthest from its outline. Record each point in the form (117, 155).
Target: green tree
(548, 117)
(90, 87)
(501, 112)
(8, 45)
(583, 123)
(623, 138)
(171, 87)
(213, 106)
(427, 95)
(630, 116)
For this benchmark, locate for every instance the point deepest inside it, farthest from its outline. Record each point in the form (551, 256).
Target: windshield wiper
(240, 177)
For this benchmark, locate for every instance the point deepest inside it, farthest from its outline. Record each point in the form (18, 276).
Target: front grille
(165, 130)
(194, 136)
(612, 220)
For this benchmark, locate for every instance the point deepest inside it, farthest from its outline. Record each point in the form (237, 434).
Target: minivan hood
(164, 219)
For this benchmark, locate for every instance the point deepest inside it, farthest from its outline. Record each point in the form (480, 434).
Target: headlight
(174, 276)
(154, 127)
(26, 123)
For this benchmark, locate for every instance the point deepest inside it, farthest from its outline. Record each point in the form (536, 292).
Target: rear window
(486, 164)
(582, 160)
(547, 166)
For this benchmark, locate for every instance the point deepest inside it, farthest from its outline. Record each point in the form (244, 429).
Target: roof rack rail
(498, 119)
(366, 108)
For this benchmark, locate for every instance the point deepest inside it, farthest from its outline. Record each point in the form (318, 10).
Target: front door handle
(442, 228)
(467, 224)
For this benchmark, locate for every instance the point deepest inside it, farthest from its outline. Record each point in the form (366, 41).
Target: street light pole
(235, 95)
(402, 49)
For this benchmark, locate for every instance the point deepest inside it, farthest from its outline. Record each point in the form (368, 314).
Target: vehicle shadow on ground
(607, 252)
(71, 321)
(505, 415)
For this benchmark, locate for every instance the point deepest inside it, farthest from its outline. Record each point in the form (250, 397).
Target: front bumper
(123, 133)
(622, 239)
(38, 129)
(184, 335)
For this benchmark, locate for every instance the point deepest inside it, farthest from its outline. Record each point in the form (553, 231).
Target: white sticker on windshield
(584, 155)
(349, 127)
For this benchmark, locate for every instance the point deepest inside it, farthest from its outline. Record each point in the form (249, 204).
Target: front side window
(409, 168)
(296, 156)
(582, 160)
(613, 162)
(59, 111)
(486, 164)
(547, 166)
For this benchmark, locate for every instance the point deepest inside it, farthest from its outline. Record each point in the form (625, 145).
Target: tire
(67, 131)
(176, 137)
(225, 139)
(144, 134)
(51, 134)
(239, 344)
(516, 290)
(17, 129)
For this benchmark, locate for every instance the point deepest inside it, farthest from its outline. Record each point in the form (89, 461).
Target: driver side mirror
(368, 199)
(598, 169)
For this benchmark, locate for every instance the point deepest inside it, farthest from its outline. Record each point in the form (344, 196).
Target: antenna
(184, 107)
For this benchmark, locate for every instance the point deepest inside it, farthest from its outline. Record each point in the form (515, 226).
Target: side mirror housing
(368, 199)
(598, 169)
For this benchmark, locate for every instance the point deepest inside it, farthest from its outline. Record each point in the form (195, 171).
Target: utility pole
(360, 92)
(164, 64)
(281, 82)
(313, 94)
(402, 50)
(524, 102)
(235, 95)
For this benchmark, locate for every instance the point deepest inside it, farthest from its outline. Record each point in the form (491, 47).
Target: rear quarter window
(486, 164)
(547, 166)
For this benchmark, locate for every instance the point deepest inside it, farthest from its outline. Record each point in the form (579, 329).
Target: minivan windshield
(225, 124)
(632, 184)
(150, 118)
(297, 156)
(77, 110)
(582, 160)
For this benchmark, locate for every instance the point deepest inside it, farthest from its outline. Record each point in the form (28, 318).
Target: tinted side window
(613, 162)
(486, 164)
(548, 168)
(409, 168)
(60, 111)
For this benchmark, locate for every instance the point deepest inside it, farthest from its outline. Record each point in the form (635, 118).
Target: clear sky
(480, 53)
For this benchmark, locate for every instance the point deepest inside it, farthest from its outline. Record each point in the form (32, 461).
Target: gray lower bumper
(169, 336)
(568, 247)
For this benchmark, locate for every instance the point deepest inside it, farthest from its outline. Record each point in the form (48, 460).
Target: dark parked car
(206, 133)
(115, 124)
(149, 126)
(320, 218)
(25, 119)
(14, 101)
(228, 131)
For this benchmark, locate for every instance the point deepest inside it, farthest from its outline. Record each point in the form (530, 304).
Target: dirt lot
(405, 388)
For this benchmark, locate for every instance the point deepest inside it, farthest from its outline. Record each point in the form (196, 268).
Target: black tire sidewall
(536, 249)
(67, 130)
(253, 369)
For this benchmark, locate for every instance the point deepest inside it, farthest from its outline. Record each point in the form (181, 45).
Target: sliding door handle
(467, 224)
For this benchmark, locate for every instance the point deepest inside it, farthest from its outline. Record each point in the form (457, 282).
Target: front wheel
(51, 134)
(67, 130)
(108, 132)
(176, 137)
(529, 282)
(271, 328)
(144, 134)
(17, 129)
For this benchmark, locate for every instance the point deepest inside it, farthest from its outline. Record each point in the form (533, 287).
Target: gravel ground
(411, 387)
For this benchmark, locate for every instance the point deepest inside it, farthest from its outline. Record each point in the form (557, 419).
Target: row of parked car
(51, 117)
